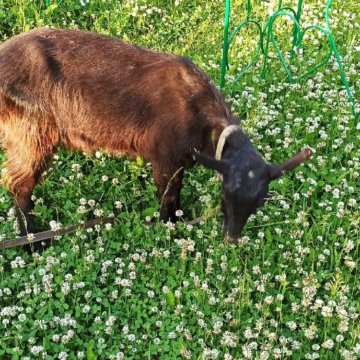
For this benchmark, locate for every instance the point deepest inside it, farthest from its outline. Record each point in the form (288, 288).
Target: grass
(290, 289)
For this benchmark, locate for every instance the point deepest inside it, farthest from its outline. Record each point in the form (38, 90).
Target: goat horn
(222, 140)
(291, 164)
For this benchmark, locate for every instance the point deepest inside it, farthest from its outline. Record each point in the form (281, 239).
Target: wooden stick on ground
(49, 234)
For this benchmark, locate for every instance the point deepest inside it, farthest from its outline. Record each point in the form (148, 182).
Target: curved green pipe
(298, 36)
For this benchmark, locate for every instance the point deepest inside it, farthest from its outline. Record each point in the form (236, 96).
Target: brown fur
(87, 92)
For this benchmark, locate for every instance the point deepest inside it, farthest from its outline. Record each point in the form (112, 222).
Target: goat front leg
(24, 206)
(28, 143)
(24, 169)
(168, 182)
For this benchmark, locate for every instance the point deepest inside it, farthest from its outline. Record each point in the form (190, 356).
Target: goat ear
(292, 163)
(210, 162)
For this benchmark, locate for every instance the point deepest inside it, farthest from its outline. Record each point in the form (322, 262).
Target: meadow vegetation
(289, 290)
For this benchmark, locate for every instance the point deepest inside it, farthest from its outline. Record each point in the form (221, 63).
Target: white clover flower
(30, 237)
(118, 204)
(348, 261)
(81, 209)
(158, 323)
(356, 348)
(321, 258)
(248, 334)
(339, 338)
(217, 327)
(310, 333)
(326, 252)
(63, 355)
(328, 344)
(185, 353)
(318, 304)
(326, 311)
(75, 167)
(55, 226)
(65, 288)
(56, 338)
(343, 326)
(36, 350)
(349, 246)
(277, 353)
(201, 323)
(352, 202)
(246, 351)
(91, 203)
(22, 317)
(179, 213)
(120, 356)
(90, 258)
(98, 212)
(97, 320)
(229, 339)
(212, 300)
(291, 325)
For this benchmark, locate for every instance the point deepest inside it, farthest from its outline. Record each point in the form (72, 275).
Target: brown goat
(86, 92)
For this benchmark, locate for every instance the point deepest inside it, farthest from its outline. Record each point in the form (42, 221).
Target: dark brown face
(240, 201)
(245, 188)
(246, 178)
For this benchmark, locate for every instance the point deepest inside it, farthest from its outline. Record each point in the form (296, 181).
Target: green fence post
(224, 61)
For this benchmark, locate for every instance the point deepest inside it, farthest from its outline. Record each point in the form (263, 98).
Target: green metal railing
(266, 33)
